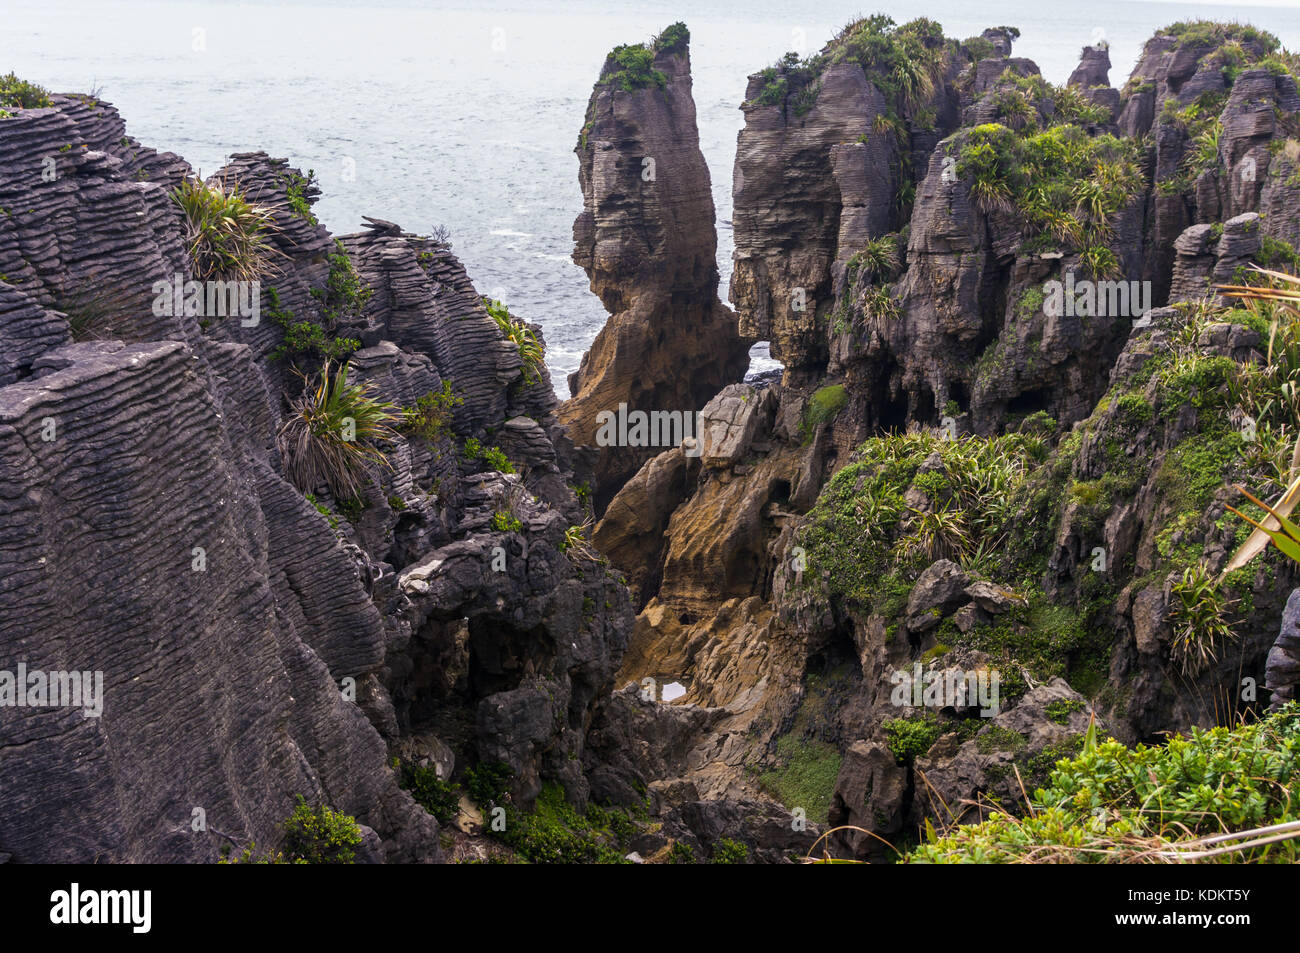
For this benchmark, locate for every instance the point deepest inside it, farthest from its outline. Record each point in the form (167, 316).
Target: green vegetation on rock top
(1120, 804)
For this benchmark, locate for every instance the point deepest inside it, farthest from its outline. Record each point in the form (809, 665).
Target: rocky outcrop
(1093, 69)
(646, 240)
(1282, 673)
(255, 645)
(937, 317)
(1213, 255)
(818, 173)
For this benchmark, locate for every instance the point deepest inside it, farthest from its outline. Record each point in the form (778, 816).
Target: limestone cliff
(899, 252)
(646, 239)
(256, 642)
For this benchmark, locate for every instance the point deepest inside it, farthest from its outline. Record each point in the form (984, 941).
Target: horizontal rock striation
(909, 301)
(255, 644)
(646, 239)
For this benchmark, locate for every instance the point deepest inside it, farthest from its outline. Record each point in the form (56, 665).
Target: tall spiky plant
(531, 353)
(330, 435)
(1282, 293)
(227, 236)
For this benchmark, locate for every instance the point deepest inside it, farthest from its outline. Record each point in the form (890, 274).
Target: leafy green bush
(305, 337)
(320, 835)
(488, 783)
(554, 833)
(344, 297)
(1120, 804)
(440, 798)
(297, 187)
(494, 458)
(727, 851)
(506, 523)
(903, 62)
(862, 531)
(978, 48)
(20, 94)
(331, 432)
(430, 418)
(1064, 182)
(636, 68)
(680, 853)
(909, 738)
(227, 237)
(674, 36)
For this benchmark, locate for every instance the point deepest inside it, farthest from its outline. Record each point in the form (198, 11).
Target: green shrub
(488, 783)
(305, 337)
(297, 187)
(636, 68)
(863, 535)
(1120, 804)
(440, 798)
(331, 432)
(674, 35)
(727, 851)
(506, 523)
(680, 853)
(978, 48)
(19, 94)
(554, 833)
(227, 237)
(1065, 183)
(431, 416)
(494, 458)
(344, 297)
(521, 335)
(320, 835)
(909, 738)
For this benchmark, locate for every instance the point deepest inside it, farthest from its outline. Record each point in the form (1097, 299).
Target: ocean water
(465, 114)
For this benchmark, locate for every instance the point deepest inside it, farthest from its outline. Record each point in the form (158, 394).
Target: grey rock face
(646, 239)
(147, 532)
(1282, 672)
(1093, 69)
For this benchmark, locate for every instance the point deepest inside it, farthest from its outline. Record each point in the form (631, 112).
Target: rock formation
(254, 644)
(930, 316)
(646, 239)
(971, 517)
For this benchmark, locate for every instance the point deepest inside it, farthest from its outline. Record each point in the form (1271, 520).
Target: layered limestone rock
(1196, 93)
(646, 239)
(936, 316)
(254, 644)
(819, 168)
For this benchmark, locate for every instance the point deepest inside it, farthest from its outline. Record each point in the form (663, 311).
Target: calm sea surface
(466, 114)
